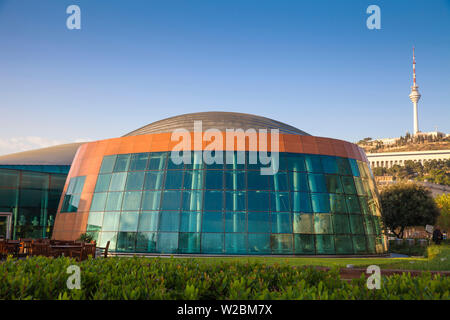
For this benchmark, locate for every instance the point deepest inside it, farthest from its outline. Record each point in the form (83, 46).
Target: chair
(105, 250)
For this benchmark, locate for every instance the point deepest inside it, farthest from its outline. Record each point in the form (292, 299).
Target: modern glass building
(31, 184)
(322, 200)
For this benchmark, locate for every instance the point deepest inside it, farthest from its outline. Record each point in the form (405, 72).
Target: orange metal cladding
(87, 162)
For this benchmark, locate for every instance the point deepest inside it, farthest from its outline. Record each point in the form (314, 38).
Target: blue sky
(311, 64)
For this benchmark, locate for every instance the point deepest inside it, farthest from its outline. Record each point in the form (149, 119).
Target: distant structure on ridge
(415, 96)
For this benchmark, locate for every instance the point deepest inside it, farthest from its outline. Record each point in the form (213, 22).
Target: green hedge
(170, 278)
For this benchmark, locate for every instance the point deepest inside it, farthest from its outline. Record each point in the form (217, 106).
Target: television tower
(415, 96)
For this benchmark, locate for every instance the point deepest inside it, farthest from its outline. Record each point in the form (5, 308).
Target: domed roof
(216, 120)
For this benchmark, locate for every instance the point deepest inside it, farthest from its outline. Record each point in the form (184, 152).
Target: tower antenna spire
(415, 95)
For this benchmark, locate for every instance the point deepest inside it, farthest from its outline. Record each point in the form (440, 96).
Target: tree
(407, 204)
(443, 203)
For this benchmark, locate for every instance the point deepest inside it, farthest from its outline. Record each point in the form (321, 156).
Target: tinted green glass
(169, 221)
(325, 244)
(353, 204)
(122, 162)
(323, 223)
(258, 200)
(213, 200)
(104, 237)
(278, 181)
(257, 181)
(35, 180)
(192, 200)
(344, 244)
(114, 201)
(157, 161)
(171, 164)
(236, 243)
(138, 161)
(212, 243)
(356, 224)
(337, 203)
(235, 222)
(251, 159)
(320, 202)
(9, 179)
(281, 222)
(213, 159)
(281, 243)
(118, 181)
(313, 163)
(129, 221)
(79, 185)
(103, 183)
(193, 179)
(354, 167)
(98, 201)
(279, 201)
(304, 244)
(371, 244)
(154, 180)
(259, 243)
(196, 162)
(213, 222)
(349, 185)
(8, 197)
(148, 221)
(296, 162)
(191, 221)
(364, 206)
(259, 222)
(171, 200)
(235, 200)
(167, 242)
(369, 225)
(329, 164)
(132, 200)
(135, 181)
(235, 160)
(303, 223)
(359, 186)
(111, 221)
(333, 184)
(317, 183)
(301, 202)
(151, 200)
(108, 164)
(359, 244)
(95, 221)
(344, 166)
(341, 224)
(146, 242)
(214, 179)
(298, 181)
(235, 180)
(174, 179)
(189, 243)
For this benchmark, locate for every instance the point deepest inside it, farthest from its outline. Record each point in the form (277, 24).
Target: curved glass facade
(314, 205)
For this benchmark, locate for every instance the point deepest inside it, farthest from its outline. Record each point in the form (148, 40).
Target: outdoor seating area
(79, 250)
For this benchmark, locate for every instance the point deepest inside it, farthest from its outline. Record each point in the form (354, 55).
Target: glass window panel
(118, 181)
(167, 242)
(212, 242)
(257, 181)
(172, 165)
(251, 158)
(8, 198)
(191, 221)
(353, 204)
(111, 221)
(235, 200)
(95, 221)
(114, 201)
(236, 243)
(10, 179)
(356, 224)
(281, 222)
(329, 164)
(213, 222)
(278, 181)
(98, 201)
(344, 244)
(296, 162)
(129, 221)
(235, 222)
(359, 244)
(303, 223)
(103, 183)
(258, 200)
(122, 163)
(349, 185)
(73, 205)
(325, 244)
(78, 186)
(371, 244)
(281, 243)
(132, 200)
(354, 167)
(369, 225)
(157, 161)
(317, 183)
(341, 224)
(280, 201)
(259, 243)
(359, 186)
(135, 181)
(214, 159)
(148, 221)
(364, 206)
(333, 184)
(151, 200)
(313, 163)
(154, 180)
(337, 203)
(196, 162)
(304, 244)
(146, 242)
(138, 161)
(235, 180)
(171, 200)
(189, 243)
(298, 181)
(214, 179)
(258, 222)
(320, 202)
(235, 160)
(174, 179)
(35, 180)
(169, 221)
(192, 200)
(301, 202)
(193, 179)
(323, 223)
(108, 164)
(73, 182)
(213, 200)
(344, 166)
(108, 236)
